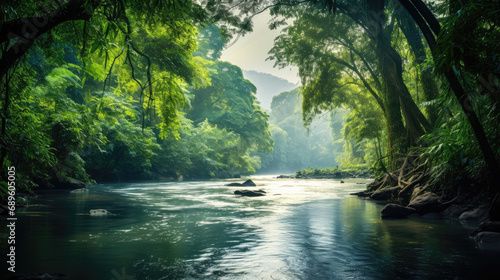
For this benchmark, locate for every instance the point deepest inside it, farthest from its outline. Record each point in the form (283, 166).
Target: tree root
(413, 173)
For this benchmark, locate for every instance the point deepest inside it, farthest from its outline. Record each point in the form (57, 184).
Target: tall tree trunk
(429, 86)
(427, 22)
(392, 74)
(397, 96)
(395, 129)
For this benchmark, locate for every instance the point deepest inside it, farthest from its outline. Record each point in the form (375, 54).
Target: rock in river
(488, 240)
(396, 211)
(487, 226)
(426, 203)
(100, 212)
(247, 183)
(477, 214)
(250, 193)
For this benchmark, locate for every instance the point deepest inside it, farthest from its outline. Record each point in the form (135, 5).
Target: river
(302, 229)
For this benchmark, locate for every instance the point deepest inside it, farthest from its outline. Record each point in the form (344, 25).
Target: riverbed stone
(247, 183)
(250, 192)
(100, 212)
(396, 211)
(426, 203)
(385, 194)
(476, 214)
(488, 240)
(286, 177)
(491, 226)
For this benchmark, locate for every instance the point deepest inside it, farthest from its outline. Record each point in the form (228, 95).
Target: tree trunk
(395, 128)
(427, 81)
(427, 21)
(397, 97)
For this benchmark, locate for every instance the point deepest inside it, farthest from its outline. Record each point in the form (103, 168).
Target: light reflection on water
(199, 230)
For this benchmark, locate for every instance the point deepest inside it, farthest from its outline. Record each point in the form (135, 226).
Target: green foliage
(211, 42)
(470, 37)
(450, 149)
(338, 69)
(99, 121)
(124, 150)
(204, 151)
(229, 103)
(467, 44)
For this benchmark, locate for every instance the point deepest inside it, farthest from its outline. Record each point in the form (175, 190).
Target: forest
(100, 93)
(128, 90)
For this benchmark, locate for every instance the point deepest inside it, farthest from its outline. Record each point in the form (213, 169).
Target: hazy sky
(250, 52)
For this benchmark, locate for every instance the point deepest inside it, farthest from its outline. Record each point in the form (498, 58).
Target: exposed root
(413, 173)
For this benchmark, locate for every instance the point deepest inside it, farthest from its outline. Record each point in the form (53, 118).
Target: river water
(302, 229)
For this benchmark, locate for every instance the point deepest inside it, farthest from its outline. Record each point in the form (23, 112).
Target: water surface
(302, 229)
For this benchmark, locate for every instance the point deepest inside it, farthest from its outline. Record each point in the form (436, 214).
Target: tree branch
(26, 30)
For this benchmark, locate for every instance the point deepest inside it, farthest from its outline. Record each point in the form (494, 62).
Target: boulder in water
(100, 212)
(286, 177)
(478, 214)
(396, 211)
(426, 203)
(247, 183)
(250, 193)
(487, 226)
(488, 240)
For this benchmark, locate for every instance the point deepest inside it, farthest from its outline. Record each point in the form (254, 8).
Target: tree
(431, 29)
(230, 103)
(328, 56)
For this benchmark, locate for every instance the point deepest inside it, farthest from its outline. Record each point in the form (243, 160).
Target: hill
(267, 86)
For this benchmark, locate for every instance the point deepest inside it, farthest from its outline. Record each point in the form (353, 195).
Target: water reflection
(200, 230)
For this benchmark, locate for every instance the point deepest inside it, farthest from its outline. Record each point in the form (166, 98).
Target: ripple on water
(200, 230)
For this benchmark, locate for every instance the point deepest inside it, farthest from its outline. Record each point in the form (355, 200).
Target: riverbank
(412, 191)
(328, 173)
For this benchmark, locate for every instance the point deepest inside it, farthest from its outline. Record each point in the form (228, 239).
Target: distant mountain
(267, 86)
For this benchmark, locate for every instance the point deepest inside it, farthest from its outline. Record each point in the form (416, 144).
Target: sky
(250, 52)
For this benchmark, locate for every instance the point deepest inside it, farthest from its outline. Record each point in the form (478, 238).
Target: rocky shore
(460, 200)
(320, 174)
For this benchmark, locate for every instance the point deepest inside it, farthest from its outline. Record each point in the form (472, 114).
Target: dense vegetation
(118, 90)
(376, 59)
(130, 98)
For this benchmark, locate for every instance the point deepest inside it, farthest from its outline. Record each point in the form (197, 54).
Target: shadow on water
(200, 230)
